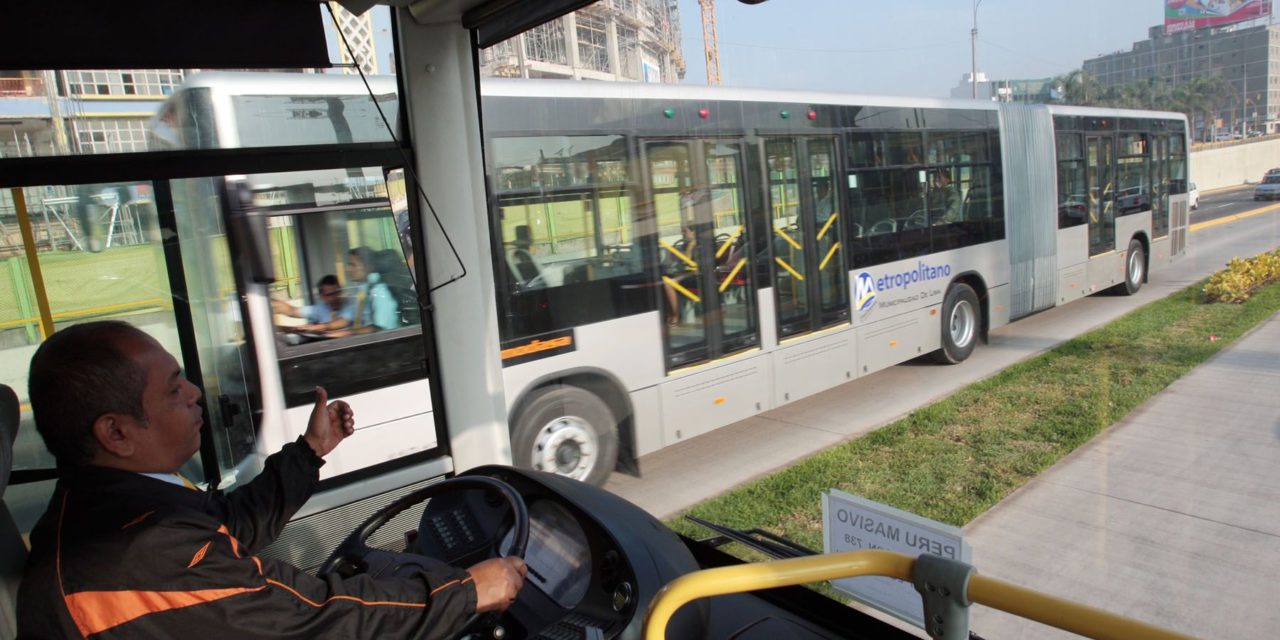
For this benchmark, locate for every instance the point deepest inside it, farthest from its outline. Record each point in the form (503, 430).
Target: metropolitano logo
(865, 291)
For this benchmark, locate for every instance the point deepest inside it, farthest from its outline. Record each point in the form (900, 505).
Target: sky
(895, 47)
(907, 47)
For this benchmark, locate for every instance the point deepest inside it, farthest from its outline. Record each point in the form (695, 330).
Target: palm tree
(1077, 87)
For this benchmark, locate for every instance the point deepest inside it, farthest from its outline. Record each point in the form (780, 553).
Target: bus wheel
(566, 431)
(961, 317)
(1135, 268)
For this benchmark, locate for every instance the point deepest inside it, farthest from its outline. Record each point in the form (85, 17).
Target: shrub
(1242, 277)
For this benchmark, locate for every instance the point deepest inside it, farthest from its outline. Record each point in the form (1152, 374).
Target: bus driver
(334, 311)
(129, 549)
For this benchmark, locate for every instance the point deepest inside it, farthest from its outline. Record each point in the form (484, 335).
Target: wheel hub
(566, 446)
(962, 323)
(1135, 267)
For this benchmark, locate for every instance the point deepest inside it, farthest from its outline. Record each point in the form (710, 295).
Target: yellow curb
(1232, 218)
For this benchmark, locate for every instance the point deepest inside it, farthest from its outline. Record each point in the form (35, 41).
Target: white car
(1193, 196)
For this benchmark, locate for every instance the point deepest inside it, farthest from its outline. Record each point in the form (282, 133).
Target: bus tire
(961, 322)
(1135, 268)
(567, 431)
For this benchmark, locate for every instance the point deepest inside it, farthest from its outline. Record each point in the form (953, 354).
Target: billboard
(1185, 15)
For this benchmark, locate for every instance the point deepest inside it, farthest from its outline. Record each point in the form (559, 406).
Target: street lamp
(973, 50)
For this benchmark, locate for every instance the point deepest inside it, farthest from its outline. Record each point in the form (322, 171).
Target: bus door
(809, 275)
(1099, 162)
(707, 298)
(1159, 185)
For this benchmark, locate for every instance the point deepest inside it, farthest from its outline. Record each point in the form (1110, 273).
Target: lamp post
(1244, 98)
(973, 50)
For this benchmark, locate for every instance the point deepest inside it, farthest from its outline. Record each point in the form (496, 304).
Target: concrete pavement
(1171, 516)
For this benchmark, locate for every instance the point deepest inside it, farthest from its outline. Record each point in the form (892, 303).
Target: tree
(1077, 87)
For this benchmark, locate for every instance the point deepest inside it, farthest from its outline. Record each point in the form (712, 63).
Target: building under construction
(635, 40)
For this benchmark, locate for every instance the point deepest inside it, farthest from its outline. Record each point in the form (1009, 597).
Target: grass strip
(954, 459)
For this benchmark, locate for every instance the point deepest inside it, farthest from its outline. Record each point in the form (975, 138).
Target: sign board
(1186, 15)
(850, 523)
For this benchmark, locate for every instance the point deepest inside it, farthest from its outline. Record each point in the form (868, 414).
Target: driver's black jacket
(122, 555)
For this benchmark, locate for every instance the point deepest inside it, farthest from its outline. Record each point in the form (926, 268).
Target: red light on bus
(703, 113)
(813, 115)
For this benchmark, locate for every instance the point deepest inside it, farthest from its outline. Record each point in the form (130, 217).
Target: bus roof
(242, 83)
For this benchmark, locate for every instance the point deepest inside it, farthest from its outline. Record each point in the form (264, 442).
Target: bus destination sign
(851, 523)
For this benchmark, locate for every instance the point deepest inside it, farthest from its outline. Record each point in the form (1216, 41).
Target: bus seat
(888, 225)
(526, 268)
(13, 550)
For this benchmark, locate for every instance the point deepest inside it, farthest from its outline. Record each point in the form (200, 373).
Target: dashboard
(595, 561)
(558, 554)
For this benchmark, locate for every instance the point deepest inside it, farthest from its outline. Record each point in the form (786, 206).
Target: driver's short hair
(78, 374)
(329, 279)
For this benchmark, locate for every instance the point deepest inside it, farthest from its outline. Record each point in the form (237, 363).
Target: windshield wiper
(767, 543)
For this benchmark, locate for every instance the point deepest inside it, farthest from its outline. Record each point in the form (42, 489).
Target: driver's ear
(111, 431)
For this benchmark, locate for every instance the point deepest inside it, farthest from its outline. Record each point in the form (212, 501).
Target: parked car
(1269, 189)
(1193, 195)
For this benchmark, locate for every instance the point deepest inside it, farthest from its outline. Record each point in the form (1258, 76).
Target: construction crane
(710, 43)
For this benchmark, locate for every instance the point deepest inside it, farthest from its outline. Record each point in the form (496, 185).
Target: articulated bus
(669, 260)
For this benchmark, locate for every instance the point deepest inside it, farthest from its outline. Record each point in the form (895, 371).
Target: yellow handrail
(1063, 614)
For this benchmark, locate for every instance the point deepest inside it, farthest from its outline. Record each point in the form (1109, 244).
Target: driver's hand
(330, 422)
(497, 582)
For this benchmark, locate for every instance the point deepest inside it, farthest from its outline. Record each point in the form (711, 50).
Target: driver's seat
(13, 550)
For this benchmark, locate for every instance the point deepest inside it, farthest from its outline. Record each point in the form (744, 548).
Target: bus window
(1132, 175)
(98, 249)
(343, 289)
(321, 109)
(568, 250)
(1099, 171)
(227, 362)
(1072, 199)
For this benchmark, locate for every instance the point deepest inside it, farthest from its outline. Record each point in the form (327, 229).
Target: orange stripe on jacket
(195, 560)
(97, 611)
(235, 544)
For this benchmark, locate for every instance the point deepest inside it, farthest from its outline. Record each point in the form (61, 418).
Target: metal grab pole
(1020, 601)
(33, 262)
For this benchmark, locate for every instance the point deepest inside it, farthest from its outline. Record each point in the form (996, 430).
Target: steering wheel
(356, 551)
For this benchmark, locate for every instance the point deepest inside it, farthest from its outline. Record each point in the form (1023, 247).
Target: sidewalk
(1171, 516)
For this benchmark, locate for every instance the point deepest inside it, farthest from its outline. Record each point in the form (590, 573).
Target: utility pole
(710, 42)
(973, 52)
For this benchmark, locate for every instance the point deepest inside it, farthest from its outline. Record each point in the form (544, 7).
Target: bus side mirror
(248, 232)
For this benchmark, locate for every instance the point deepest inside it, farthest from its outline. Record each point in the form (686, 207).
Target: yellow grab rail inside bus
(1020, 601)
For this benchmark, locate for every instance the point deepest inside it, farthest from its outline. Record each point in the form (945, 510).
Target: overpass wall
(1233, 165)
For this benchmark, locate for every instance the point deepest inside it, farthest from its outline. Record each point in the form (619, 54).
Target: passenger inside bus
(682, 272)
(376, 306)
(333, 312)
(944, 199)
